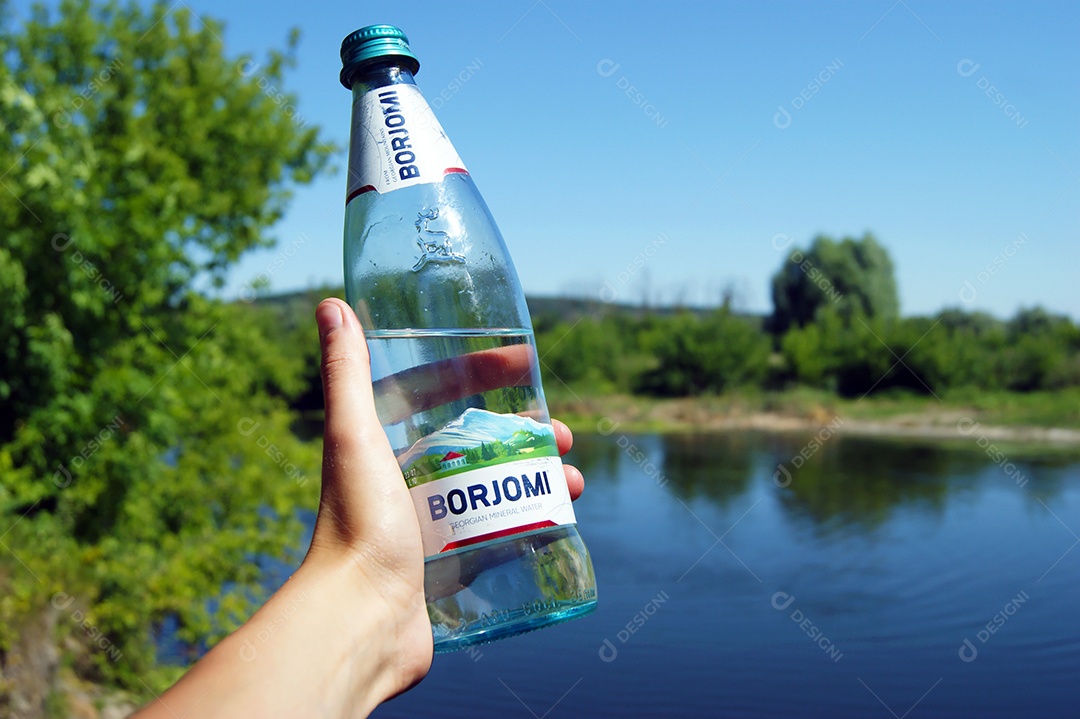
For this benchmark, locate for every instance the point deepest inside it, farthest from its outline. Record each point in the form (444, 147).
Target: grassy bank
(1035, 416)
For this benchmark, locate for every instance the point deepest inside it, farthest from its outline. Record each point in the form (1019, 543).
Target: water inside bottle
(427, 379)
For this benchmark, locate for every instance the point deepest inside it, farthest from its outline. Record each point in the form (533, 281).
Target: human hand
(366, 514)
(350, 627)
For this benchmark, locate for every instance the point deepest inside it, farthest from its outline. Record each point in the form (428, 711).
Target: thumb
(364, 499)
(346, 373)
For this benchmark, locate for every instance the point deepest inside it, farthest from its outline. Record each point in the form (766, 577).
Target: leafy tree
(713, 354)
(592, 350)
(854, 277)
(1043, 351)
(145, 451)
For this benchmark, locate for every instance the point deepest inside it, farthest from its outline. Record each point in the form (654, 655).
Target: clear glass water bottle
(455, 366)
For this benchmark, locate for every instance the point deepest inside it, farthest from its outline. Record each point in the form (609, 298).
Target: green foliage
(667, 355)
(602, 352)
(145, 448)
(852, 277)
(711, 354)
(1033, 351)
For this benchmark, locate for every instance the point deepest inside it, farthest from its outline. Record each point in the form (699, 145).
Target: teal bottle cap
(371, 43)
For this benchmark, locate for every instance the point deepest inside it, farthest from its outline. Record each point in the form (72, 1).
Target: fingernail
(328, 316)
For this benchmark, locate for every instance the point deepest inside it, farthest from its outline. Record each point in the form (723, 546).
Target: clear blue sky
(702, 172)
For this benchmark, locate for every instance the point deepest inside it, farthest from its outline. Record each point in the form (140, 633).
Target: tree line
(835, 326)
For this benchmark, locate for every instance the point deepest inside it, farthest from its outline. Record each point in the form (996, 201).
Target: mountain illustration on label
(477, 438)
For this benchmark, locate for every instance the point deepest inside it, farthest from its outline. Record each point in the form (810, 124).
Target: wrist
(376, 623)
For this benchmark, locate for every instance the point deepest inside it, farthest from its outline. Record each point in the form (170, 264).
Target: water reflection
(716, 466)
(835, 482)
(865, 482)
(597, 456)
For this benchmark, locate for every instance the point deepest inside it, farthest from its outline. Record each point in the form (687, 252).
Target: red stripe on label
(362, 190)
(455, 170)
(496, 535)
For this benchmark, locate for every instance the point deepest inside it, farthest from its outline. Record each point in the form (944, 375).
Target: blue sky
(949, 130)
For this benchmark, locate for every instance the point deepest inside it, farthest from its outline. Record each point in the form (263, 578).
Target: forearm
(317, 648)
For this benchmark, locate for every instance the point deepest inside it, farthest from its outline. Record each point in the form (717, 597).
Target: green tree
(853, 277)
(812, 353)
(590, 352)
(711, 354)
(145, 450)
(1043, 351)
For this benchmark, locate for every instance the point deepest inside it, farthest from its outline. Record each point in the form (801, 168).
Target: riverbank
(1031, 419)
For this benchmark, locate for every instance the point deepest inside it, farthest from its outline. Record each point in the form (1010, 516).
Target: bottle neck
(380, 73)
(396, 141)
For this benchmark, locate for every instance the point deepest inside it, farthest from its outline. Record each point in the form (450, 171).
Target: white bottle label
(486, 476)
(397, 142)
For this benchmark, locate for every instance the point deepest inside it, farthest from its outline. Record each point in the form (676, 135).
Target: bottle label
(397, 142)
(485, 476)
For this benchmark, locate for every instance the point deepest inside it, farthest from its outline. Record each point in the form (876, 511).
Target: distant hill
(570, 309)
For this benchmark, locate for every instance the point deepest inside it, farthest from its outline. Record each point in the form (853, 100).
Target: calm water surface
(885, 579)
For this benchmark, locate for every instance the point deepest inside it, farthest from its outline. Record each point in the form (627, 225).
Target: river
(866, 578)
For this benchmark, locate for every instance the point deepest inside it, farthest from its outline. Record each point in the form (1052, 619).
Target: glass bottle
(455, 366)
